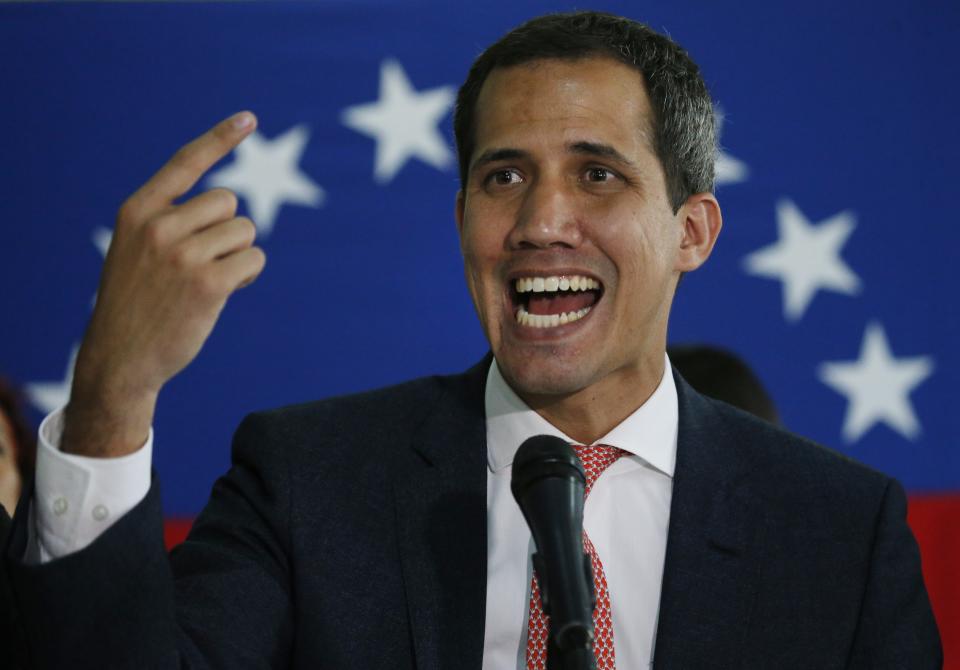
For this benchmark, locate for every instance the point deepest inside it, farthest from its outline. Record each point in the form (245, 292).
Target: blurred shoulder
(783, 470)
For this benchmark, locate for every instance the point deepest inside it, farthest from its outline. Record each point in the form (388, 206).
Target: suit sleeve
(896, 627)
(11, 630)
(220, 600)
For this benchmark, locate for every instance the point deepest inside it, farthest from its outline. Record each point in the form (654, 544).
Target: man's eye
(504, 177)
(599, 174)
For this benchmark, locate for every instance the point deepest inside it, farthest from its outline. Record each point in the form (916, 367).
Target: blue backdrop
(835, 274)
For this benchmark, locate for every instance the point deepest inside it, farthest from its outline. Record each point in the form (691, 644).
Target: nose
(548, 217)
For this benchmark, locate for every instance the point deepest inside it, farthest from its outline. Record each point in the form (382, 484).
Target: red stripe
(935, 520)
(175, 531)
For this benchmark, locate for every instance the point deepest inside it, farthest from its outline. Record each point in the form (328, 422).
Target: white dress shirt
(77, 498)
(626, 517)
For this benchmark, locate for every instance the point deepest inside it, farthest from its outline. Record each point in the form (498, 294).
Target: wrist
(103, 424)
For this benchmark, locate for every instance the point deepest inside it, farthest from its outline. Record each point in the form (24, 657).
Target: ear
(701, 220)
(458, 213)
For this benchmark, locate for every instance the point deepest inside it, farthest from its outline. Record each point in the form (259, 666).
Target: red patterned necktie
(595, 460)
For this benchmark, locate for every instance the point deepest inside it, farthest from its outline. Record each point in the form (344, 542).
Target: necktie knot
(596, 459)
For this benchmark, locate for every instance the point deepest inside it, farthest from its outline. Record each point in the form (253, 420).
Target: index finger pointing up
(190, 163)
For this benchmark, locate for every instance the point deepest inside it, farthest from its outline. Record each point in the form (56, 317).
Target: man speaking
(378, 530)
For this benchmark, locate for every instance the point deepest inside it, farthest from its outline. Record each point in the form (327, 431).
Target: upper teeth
(541, 284)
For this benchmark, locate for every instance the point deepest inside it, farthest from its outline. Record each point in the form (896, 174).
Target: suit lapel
(440, 489)
(710, 567)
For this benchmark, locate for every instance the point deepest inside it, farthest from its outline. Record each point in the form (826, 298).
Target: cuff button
(100, 512)
(60, 506)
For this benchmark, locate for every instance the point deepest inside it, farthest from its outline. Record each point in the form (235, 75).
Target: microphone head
(544, 456)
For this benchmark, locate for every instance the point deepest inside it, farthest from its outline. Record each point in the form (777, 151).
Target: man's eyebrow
(602, 150)
(584, 148)
(494, 155)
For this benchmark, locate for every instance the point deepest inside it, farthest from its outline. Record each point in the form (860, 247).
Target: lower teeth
(524, 318)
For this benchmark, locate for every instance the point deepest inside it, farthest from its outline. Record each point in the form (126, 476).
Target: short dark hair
(684, 136)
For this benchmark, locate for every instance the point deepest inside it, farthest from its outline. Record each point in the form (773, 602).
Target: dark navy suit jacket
(351, 533)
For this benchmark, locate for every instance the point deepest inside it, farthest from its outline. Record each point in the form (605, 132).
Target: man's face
(565, 193)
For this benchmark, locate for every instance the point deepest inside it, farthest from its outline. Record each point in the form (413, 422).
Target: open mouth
(548, 302)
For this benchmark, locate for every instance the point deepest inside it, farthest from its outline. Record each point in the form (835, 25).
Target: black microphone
(548, 483)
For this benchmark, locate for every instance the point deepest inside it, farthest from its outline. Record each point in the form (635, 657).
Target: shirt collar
(650, 433)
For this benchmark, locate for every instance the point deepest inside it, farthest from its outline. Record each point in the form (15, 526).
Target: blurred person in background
(17, 457)
(18, 447)
(724, 376)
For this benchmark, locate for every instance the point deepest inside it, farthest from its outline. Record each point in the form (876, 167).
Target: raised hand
(168, 274)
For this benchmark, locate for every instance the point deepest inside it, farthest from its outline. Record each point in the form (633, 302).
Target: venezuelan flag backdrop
(835, 276)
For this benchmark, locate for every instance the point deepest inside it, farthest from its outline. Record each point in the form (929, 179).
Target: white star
(48, 396)
(727, 169)
(806, 258)
(101, 238)
(877, 386)
(266, 175)
(403, 122)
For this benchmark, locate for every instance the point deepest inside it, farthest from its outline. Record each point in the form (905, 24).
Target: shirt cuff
(77, 497)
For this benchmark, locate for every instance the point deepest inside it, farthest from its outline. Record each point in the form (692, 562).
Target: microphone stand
(548, 483)
(570, 647)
